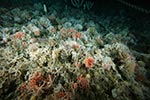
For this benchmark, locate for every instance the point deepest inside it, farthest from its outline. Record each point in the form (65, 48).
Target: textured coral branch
(77, 3)
(134, 6)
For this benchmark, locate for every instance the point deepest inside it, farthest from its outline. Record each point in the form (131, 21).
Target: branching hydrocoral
(65, 63)
(147, 11)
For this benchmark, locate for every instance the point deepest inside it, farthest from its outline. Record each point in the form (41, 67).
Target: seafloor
(72, 54)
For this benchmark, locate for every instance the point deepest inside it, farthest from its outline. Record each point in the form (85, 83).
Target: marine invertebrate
(22, 89)
(72, 30)
(19, 35)
(88, 5)
(37, 32)
(74, 85)
(51, 29)
(77, 35)
(64, 32)
(89, 62)
(76, 46)
(77, 3)
(107, 63)
(34, 29)
(38, 82)
(63, 64)
(83, 82)
(61, 95)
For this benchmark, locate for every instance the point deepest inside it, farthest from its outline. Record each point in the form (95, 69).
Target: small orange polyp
(19, 35)
(89, 62)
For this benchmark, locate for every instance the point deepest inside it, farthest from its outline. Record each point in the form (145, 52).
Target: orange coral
(72, 30)
(89, 62)
(76, 46)
(83, 82)
(37, 82)
(61, 95)
(22, 89)
(77, 35)
(24, 44)
(19, 35)
(74, 85)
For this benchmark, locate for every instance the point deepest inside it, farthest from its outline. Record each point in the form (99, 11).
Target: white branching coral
(77, 3)
(67, 63)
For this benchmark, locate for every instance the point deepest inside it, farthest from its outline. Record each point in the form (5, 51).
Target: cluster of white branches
(81, 3)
